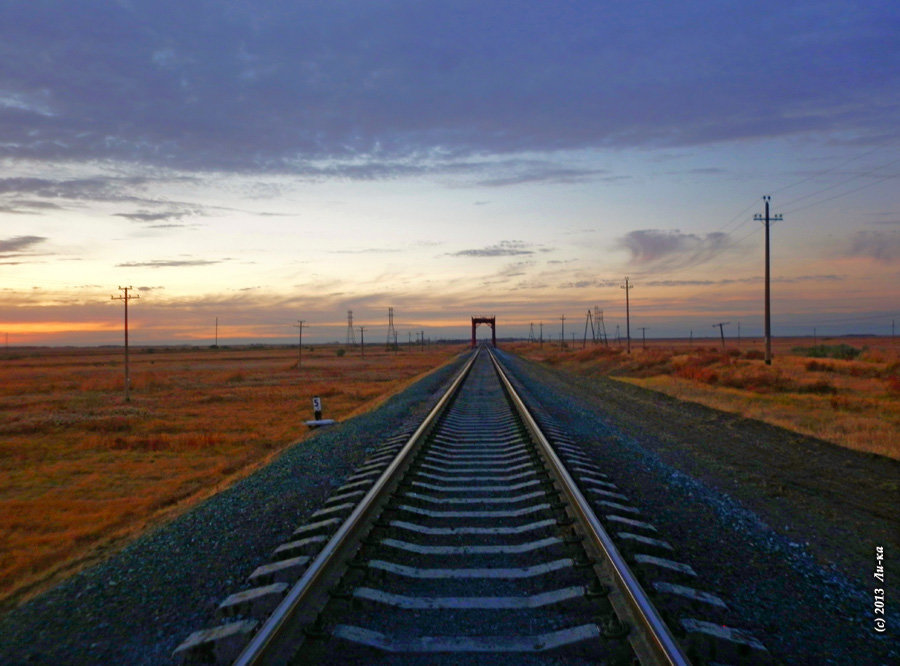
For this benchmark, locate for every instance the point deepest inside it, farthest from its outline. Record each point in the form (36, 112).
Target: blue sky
(264, 162)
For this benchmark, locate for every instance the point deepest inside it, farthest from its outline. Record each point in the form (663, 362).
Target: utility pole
(299, 325)
(125, 298)
(562, 335)
(542, 335)
(217, 332)
(767, 219)
(643, 337)
(362, 341)
(721, 326)
(627, 287)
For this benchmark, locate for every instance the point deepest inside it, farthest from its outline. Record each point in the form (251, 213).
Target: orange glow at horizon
(53, 327)
(48, 332)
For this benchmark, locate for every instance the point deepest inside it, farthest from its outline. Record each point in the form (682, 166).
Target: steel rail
(662, 644)
(255, 652)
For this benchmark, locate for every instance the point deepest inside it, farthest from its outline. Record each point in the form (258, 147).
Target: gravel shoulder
(137, 606)
(783, 526)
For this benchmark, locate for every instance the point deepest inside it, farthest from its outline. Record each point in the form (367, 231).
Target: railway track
(470, 538)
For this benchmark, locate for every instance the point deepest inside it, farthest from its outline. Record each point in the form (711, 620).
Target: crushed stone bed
(782, 526)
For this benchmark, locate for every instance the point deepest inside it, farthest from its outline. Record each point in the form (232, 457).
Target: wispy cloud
(154, 217)
(506, 248)
(27, 207)
(369, 250)
(672, 249)
(94, 189)
(756, 279)
(17, 244)
(14, 250)
(590, 283)
(882, 246)
(171, 263)
(547, 174)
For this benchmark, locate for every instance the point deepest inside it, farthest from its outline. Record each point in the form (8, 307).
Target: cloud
(672, 249)
(26, 207)
(882, 246)
(153, 217)
(370, 250)
(94, 189)
(756, 279)
(590, 283)
(268, 89)
(171, 263)
(544, 173)
(18, 245)
(506, 248)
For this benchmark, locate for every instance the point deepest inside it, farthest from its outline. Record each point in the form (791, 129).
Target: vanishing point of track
(474, 540)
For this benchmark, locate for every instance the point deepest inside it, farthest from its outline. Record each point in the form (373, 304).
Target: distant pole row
(767, 218)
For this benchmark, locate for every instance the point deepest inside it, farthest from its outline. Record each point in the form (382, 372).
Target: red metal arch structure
(491, 321)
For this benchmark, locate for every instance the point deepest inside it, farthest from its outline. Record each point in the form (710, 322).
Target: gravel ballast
(783, 527)
(790, 551)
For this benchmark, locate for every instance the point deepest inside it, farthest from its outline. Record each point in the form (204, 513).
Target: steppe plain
(83, 470)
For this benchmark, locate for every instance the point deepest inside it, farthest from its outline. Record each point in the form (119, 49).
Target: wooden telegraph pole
(299, 325)
(767, 220)
(627, 287)
(125, 298)
(722, 326)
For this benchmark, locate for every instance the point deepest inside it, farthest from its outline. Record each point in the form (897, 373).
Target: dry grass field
(82, 470)
(845, 391)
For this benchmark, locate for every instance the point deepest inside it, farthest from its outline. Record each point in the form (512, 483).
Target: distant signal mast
(392, 332)
(351, 335)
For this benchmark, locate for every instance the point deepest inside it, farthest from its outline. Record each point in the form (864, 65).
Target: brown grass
(83, 471)
(852, 402)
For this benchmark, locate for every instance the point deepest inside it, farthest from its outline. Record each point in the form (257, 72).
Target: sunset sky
(268, 162)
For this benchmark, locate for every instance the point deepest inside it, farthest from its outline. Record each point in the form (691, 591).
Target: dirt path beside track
(842, 502)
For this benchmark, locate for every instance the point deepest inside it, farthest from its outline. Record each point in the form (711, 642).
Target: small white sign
(317, 404)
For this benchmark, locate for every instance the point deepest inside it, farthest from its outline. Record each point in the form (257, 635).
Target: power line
(842, 194)
(836, 166)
